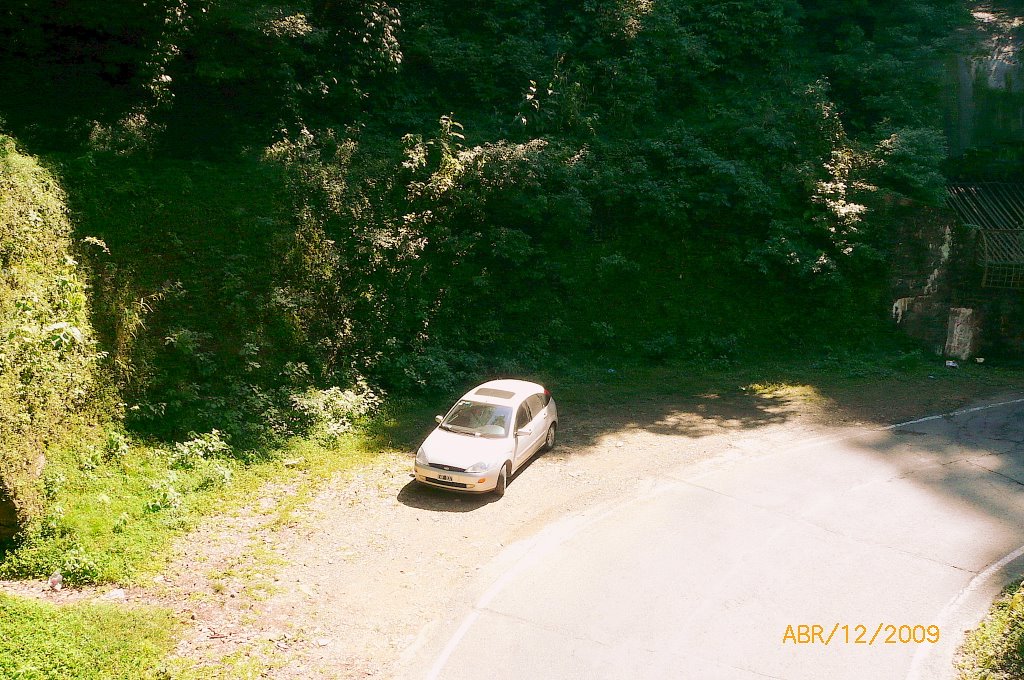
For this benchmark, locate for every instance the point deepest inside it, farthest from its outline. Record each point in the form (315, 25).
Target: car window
(536, 403)
(523, 417)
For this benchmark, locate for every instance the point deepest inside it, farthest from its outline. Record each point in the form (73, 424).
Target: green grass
(110, 528)
(995, 650)
(115, 520)
(83, 641)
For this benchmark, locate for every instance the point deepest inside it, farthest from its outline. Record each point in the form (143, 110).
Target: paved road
(700, 572)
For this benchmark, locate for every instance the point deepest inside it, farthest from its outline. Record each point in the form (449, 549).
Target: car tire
(549, 438)
(499, 488)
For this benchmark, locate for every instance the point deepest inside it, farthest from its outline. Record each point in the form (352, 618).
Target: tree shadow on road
(598, 411)
(582, 421)
(671, 402)
(973, 462)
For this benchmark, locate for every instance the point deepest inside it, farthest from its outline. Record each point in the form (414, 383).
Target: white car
(489, 434)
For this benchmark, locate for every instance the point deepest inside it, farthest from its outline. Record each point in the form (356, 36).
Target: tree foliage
(472, 186)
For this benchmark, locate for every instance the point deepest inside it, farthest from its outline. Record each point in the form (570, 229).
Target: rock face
(986, 97)
(922, 248)
(963, 333)
(922, 317)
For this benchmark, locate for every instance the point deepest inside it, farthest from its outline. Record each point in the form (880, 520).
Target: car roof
(506, 391)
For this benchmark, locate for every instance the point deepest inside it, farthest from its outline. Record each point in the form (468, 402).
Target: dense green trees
(474, 186)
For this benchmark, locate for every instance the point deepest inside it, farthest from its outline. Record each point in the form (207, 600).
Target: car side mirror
(438, 418)
(524, 432)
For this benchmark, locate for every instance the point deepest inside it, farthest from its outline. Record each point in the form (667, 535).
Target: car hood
(463, 450)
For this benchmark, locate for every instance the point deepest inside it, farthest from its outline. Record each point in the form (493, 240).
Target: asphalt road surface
(831, 557)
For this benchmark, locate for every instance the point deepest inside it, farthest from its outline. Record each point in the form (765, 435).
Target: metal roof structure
(991, 205)
(996, 211)
(1002, 252)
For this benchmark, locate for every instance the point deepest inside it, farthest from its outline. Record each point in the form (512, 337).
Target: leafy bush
(189, 454)
(660, 348)
(48, 544)
(714, 350)
(331, 412)
(165, 496)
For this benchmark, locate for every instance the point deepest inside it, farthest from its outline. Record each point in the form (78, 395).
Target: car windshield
(479, 419)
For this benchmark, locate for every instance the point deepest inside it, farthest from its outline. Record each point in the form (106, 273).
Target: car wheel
(499, 489)
(549, 440)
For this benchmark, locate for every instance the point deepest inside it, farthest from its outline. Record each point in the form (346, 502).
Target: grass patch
(40, 641)
(251, 663)
(116, 505)
(995, 649)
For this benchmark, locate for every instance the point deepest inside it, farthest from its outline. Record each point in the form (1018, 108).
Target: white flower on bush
(332, 412)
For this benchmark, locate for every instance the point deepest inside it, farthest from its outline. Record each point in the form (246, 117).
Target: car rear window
(491, 392)
(537, 403)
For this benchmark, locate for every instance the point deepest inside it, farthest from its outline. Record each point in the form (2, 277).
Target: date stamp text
(860, 634)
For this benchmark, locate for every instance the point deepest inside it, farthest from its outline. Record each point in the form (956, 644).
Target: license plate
(445, 478)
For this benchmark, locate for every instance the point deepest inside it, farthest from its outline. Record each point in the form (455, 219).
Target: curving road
(702, 569)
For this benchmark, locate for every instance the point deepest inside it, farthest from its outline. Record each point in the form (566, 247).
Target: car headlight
(421, 457)
(477, 468)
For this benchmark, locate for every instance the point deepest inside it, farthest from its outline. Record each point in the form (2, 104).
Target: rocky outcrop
(986, 102)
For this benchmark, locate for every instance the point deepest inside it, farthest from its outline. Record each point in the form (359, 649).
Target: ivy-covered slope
(48, 353)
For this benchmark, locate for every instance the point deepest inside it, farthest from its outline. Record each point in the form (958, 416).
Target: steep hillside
(48, 354)
(303, 195)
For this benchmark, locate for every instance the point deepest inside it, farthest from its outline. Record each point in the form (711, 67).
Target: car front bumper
(457, 481)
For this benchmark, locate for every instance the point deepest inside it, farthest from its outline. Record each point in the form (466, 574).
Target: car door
(541, 419)
(537, 425)
(524, 443)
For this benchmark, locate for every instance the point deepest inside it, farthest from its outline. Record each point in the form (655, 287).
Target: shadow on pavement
(416, 495)
(673, 403)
